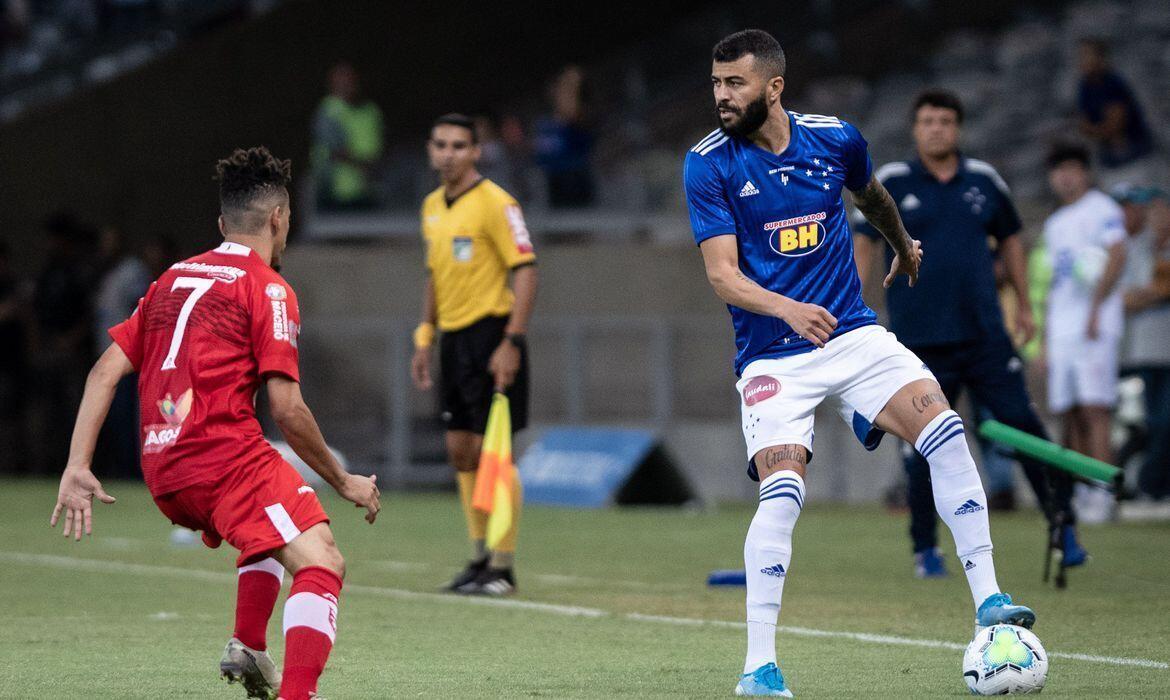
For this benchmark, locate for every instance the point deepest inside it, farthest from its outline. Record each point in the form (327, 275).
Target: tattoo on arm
(774, 457)
(930, 398)
(875, 202)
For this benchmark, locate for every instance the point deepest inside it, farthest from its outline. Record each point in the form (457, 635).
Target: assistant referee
(952, 318)
(475, 238)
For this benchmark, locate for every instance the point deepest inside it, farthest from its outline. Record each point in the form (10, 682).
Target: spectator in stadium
(62, 338)
(495, 160)
(1085, 240)
(562, 144)
(121, 285)
(1146, 348)
(159, 253)
(124, 281)
(475, 240)
(954, 205)
(12, 361)
(1109, 113)
(347, 143)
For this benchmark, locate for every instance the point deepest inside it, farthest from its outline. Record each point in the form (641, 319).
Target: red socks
(259, 586)
(310, 626)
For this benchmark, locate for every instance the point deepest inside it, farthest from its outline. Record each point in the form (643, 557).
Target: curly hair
(250, 175)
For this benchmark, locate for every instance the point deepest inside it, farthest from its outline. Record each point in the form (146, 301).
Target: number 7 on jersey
(198, 287)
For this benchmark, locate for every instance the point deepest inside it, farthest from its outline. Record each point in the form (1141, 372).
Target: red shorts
(256, 508)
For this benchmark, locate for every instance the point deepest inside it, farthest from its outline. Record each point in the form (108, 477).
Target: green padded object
(1050, 453)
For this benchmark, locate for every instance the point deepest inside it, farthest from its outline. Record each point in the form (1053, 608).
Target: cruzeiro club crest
(160, 436)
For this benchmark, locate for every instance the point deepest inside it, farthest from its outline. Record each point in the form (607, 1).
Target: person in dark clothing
(62, 341)
(13, 363)
(1109, 112)
(952, 317)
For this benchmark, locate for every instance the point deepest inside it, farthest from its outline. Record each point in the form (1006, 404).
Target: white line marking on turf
(888, 639)
(403, 567)
(96, 565)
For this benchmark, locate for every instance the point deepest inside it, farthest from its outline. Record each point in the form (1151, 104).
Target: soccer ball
(1004, 660)
(1089, 265)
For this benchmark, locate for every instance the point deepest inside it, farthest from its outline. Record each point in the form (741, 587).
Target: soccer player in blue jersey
(764, 192)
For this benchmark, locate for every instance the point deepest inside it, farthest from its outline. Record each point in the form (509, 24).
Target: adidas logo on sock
(748, 190)
(971, 506)
(969, 565)
(774, 570)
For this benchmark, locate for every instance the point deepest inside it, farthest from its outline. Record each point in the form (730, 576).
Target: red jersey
(201, 339)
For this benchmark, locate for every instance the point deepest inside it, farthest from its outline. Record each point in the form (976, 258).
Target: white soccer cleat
(254, 669)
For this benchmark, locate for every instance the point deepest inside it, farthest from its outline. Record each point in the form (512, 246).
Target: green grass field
(127, 615)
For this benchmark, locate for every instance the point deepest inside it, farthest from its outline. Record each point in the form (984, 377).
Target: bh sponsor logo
(162, 435)
(760, 389)
(797, 236)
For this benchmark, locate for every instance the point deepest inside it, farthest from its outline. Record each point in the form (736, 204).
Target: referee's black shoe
(492, 582)
(469, 575)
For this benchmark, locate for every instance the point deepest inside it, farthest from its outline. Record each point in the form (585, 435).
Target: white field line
(81, 564)
(418, 567)
(888, 639)
(401, 567)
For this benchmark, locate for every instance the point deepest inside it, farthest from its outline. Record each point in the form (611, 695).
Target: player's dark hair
(460, 120)
(935, 97)
(247, 176)
(1061, 153)
(756, 42)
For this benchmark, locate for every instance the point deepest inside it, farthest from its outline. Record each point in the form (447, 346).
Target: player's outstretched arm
(879, 209)
(721, 259)
(296, 422)
(78, 484)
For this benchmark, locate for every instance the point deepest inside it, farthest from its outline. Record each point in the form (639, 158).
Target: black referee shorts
(466, 386)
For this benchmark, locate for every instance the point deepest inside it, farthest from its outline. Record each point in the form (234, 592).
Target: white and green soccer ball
(1005, 660)
(1088, 266)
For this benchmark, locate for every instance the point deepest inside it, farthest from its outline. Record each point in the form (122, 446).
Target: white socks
(767, 553)
(959, 499)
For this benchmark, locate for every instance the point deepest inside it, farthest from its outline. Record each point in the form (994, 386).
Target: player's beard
(753, 117)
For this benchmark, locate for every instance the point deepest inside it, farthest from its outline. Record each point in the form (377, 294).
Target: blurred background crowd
(113, 111)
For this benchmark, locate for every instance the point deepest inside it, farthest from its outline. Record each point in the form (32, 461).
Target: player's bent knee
(313, 547)
(912, 408)
(778, 458)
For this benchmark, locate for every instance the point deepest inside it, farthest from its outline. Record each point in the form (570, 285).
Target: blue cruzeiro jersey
(789, 222)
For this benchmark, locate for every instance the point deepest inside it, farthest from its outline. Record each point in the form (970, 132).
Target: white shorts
(863, 369)
(1082, 372)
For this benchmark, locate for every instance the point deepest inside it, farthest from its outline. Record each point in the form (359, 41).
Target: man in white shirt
(1146, 347)
(1085, 240)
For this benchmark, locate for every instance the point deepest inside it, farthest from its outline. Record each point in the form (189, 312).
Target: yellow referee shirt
(472, 244)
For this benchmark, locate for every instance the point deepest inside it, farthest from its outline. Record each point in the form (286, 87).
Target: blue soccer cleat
(765, 680)
(1072, 553)
(998, 610)
(929, 564)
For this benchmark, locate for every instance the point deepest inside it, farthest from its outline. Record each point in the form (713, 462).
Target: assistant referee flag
(496, 474)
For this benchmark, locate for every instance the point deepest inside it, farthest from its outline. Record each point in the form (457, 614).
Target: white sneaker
(254, 669)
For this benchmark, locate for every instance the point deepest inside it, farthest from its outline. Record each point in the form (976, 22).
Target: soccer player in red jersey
(209, 332)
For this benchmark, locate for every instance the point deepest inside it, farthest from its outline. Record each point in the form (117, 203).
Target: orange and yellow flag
(496, 473)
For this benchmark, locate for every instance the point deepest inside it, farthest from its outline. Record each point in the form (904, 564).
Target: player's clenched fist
(420, 369)
(812, 322)
(363, 493)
